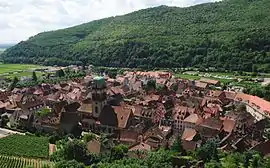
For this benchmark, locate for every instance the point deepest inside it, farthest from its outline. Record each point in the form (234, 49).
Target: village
(143, 110)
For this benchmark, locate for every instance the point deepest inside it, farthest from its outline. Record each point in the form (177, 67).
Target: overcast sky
(20, 19)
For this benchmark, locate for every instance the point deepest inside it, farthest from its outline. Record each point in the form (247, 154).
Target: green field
(17, 162)
(224, 77)
(12, 70)
(24, 146)
(5, 68)
(196, 77)
(187, 76)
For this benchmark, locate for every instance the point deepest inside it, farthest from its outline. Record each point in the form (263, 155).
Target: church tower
(98, 96)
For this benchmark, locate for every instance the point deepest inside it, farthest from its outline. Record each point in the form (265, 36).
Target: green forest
(232, 35)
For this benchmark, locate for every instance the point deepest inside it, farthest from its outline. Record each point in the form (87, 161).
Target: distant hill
(6, 45)
(3, 47)
(232, 34)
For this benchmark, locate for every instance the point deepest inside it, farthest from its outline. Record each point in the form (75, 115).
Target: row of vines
(24, 146)
(16, 162)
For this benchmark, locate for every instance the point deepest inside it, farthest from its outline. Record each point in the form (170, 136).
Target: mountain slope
(233, 34)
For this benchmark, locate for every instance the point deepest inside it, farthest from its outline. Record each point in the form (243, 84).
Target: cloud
(20, 19)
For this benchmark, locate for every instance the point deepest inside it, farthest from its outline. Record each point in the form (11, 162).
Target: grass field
(187, 76)
(17, 162)
(196, 77)
(24, 146)
(6, 68)
(12, 70)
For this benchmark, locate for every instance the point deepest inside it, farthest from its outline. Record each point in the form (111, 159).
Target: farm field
(24, 146)
(12, 70)
(196, 77)
(5, 68)
(17, 162)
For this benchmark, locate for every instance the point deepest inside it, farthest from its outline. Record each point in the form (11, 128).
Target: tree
(177, 146)
(60, 73)
(69, 163)
(34, 76)
(150, 85)
(4, 121)
(112, 74)
(212, 164)
(89, 137)
(118, 152)
(73, 150)
(208, 151)
(159, 159)
(14, 83)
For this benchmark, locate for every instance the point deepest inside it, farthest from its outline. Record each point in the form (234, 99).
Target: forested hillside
(232, 34)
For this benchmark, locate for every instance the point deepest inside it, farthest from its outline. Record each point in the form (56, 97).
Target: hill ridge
(231, 34)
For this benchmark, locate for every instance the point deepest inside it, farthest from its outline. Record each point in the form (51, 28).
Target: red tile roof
(123, 115)
(189, 145)
(209, 81)
(263, 148)
(201, 84)
(212, 123)
(242, 97)
(228, 125)
(189, 134)
(94, 146)
(230, 95)
(181, 112)
(260, 103)
(254, 101)
(128, 135)
(194, 118)
(140, 147)
(151, 97)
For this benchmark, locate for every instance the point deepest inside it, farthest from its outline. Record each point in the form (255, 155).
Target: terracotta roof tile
(194, 118)
(209, 81)
(242, 97)
(181, 112)
(128, 135)
(140, 147)
(212, 123)
(189, 145)
(94, 146)
(230, 95)
(263, 148)
(189, 134)
(123, 115)
(260, 103)
(228, 125)
(201, 84)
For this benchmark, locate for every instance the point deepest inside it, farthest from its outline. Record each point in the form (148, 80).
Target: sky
(21, 19)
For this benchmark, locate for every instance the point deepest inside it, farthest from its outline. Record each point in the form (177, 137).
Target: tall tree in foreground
(34, 76)
(14, 83)
(60, 73)
(177, 146)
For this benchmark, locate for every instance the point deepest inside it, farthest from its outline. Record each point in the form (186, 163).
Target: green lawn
(5, 68)
(187, 76)
(25, 146)
(195, 77)
(18, 70)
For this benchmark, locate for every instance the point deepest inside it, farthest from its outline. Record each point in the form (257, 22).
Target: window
(96, 109)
